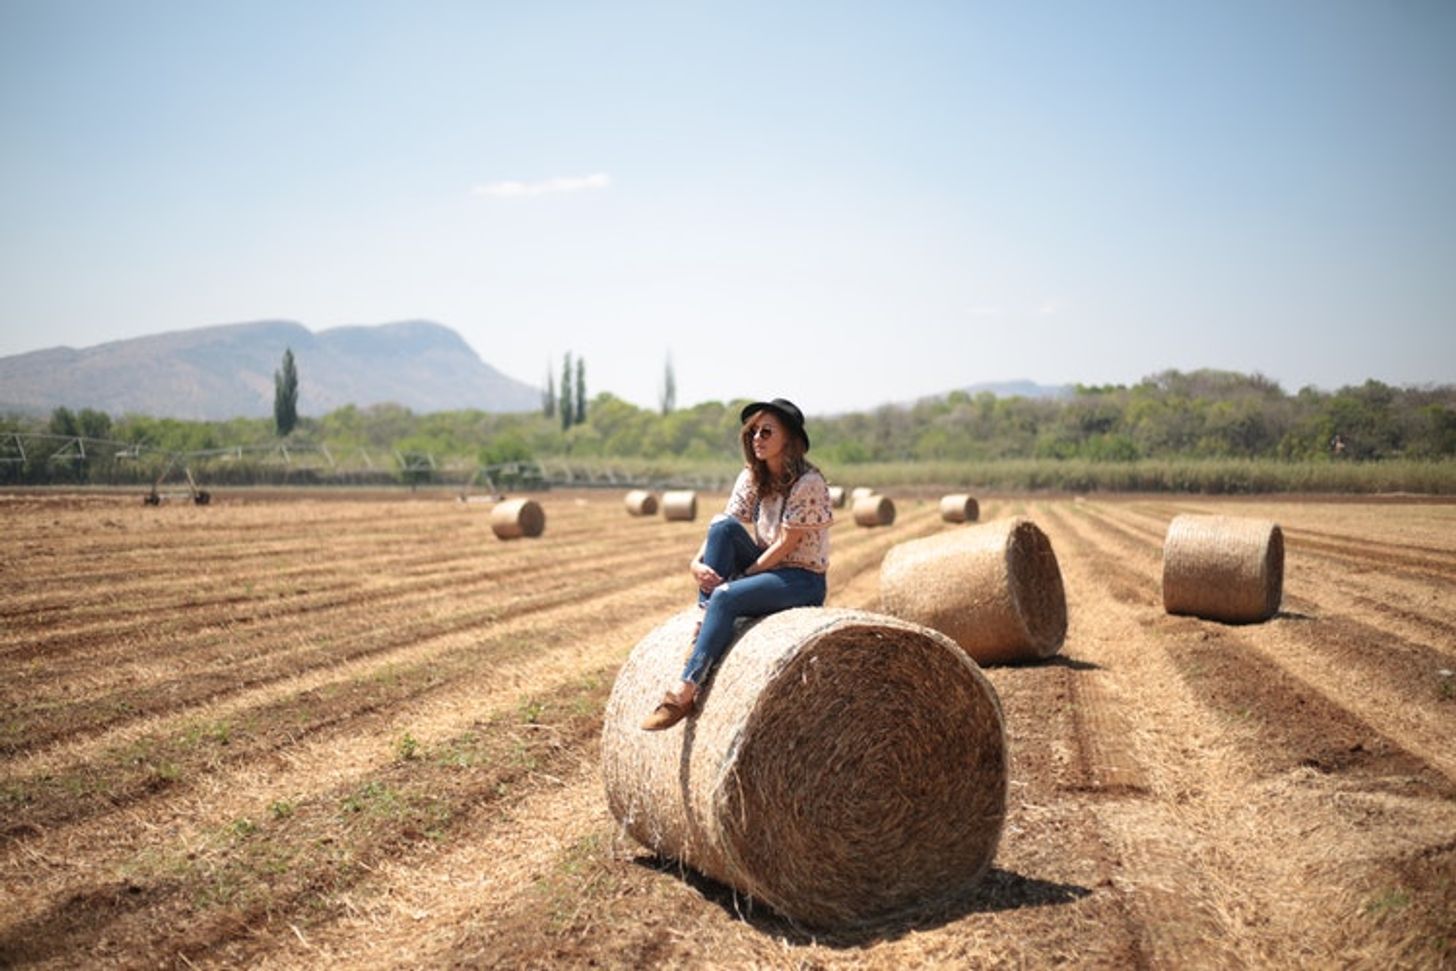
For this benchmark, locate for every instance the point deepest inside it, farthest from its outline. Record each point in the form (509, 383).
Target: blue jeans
(730, 551)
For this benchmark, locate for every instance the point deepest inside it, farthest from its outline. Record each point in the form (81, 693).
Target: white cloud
(516, 190)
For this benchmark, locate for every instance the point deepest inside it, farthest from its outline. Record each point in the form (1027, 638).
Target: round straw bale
(1225, 568)
(836, 496)
(641, 502)
(681, 505)
(873, 510)
(515, 518)
(995, 589)
(959, 508)
(859, 492)
(843, 766)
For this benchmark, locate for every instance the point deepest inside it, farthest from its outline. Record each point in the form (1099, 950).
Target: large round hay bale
(1225, 568)
(836, 496)
(641, 502)
(959, 508)
(843, 766)
(680, 505)
(995, 589)
(873, 510)
(859, 492)
(515, 518)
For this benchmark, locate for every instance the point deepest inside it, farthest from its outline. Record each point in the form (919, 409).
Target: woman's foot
(674, 707)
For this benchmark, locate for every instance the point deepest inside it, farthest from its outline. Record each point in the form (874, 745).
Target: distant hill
(212, 373)
(1002, 389)
(1020, 389)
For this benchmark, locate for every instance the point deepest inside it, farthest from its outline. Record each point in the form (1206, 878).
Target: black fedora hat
(787, 411)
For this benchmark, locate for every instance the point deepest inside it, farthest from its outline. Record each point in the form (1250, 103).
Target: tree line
(1172, 415)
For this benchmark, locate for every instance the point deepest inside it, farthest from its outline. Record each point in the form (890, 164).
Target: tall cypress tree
(548, 397)
(581, 391)
(567, 409)
(285, 395)
(668, 398)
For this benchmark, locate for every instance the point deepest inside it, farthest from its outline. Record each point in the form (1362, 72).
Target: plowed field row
(243, 632)
(386, 753)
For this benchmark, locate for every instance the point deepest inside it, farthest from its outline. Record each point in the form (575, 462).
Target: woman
(769, 551)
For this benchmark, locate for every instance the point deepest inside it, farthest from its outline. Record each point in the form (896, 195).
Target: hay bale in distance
(680, 505)
(641, 502)
(836, 496)
(1227, 568)
(873, 510)
(959, 508)
(515, 518)
(995, 589)
(859, 492)
(833, 804)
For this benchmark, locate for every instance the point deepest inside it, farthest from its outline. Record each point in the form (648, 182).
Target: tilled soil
(299, 732)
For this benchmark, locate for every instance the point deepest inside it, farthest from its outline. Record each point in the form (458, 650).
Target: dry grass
(995, 589)
(515, 518)
(843, 765)
(1228, 568)
(959, 508)
(641, 502)
(874, 510)
(680, 505)
(356, 733)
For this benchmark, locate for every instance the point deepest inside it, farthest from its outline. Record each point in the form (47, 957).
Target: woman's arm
(787, 542)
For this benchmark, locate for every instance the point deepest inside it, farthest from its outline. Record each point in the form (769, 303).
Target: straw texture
(641, 502)
(680, 505)
(994, 588)
(515, 518)
(959, 508)
(1225, 568)
(836, 496)
(843, 766)
(873, 510)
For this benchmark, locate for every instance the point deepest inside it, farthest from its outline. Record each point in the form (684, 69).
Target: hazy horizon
(846, 204)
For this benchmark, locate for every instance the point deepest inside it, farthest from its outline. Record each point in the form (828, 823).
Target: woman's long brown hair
(795, 464)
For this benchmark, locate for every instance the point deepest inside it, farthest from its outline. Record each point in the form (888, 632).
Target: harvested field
(362, 732)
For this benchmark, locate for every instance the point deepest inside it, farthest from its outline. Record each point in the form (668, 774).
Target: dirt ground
(363, 732)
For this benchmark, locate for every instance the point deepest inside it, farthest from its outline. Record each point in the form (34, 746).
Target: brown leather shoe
(667, 714)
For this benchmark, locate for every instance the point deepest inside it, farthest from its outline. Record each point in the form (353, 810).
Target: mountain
(1020, 389)
(1001, 389)
(226, 371)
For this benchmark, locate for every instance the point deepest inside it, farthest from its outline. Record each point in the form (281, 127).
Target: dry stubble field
(362, 732)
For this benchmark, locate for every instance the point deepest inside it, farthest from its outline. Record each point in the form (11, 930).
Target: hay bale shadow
(1075, 664)
(999, 890)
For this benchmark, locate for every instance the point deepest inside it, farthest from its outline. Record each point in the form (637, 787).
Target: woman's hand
(707, 578)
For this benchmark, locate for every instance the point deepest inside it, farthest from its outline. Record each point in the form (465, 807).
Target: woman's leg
(729, 549)
(762, 593)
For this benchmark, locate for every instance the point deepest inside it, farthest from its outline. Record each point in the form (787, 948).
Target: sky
(841, 203)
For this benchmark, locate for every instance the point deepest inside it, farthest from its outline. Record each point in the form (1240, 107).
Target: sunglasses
(763, 431)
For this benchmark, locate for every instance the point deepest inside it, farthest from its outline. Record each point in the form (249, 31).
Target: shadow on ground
(999, 890)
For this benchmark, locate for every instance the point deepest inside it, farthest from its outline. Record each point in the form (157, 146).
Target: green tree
(507, 447)
(94, 424)
(66, 461)
(548, 397)
(568, 403)
(285, 395)
(63, 422)
(667, 399)
(580, 391)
